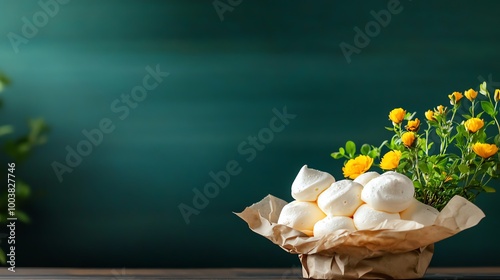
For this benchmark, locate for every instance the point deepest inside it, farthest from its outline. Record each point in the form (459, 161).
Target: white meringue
(301, 215)
(390, 192)
(342, 198)
(333, 223)
(366, 177)
(309, 183)
(420, 213)
(367, 218)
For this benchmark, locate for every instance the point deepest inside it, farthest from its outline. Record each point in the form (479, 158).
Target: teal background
(119, 207)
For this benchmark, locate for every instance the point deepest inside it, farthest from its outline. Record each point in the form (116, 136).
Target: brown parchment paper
(402, 250)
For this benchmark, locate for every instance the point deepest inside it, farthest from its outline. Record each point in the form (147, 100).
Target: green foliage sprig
(17, 150)
(455, 154)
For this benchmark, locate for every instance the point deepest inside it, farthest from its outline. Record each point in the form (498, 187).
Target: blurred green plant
(17, 150)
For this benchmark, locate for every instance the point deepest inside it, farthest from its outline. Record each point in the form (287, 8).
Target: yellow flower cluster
(390, 161)
(428, 155)
(472, 125)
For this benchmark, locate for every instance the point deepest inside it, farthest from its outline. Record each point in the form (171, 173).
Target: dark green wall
(119, 207)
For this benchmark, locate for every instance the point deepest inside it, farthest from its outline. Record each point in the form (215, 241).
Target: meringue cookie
(342, 198)
(366, 217)
(420, 213)
(309, 183)
(333, 223)
(390, 192)
(366, 177)
(301, 215)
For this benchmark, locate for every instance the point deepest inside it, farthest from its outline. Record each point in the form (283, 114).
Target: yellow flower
(497, 95)
(413, 125)
(484, 150)
(397, 115)
(473, 124)
(440, 109)
(470, 94)
(390, 160)
(455, 97)
(357, 166)
(408, 138)
(429, 115)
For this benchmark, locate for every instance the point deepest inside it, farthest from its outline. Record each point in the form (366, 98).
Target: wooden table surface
(228, 273)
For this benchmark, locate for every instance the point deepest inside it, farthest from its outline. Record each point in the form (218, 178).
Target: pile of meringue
(323, 206)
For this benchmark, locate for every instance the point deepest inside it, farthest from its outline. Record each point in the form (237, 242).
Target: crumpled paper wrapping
(402, 250)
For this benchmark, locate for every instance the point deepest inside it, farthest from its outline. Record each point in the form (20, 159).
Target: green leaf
(409, 116)
(341, 151)
(337, 155)
(470, 156)
(442, 162)
(497, 140)
(423, 166)
(488, 108)
(365, 149)
(402, 165)
(489, 189)
(417, 184)
(350, 148)
(480, 136)
(463, 168)
(430, 145)
(374, 153)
